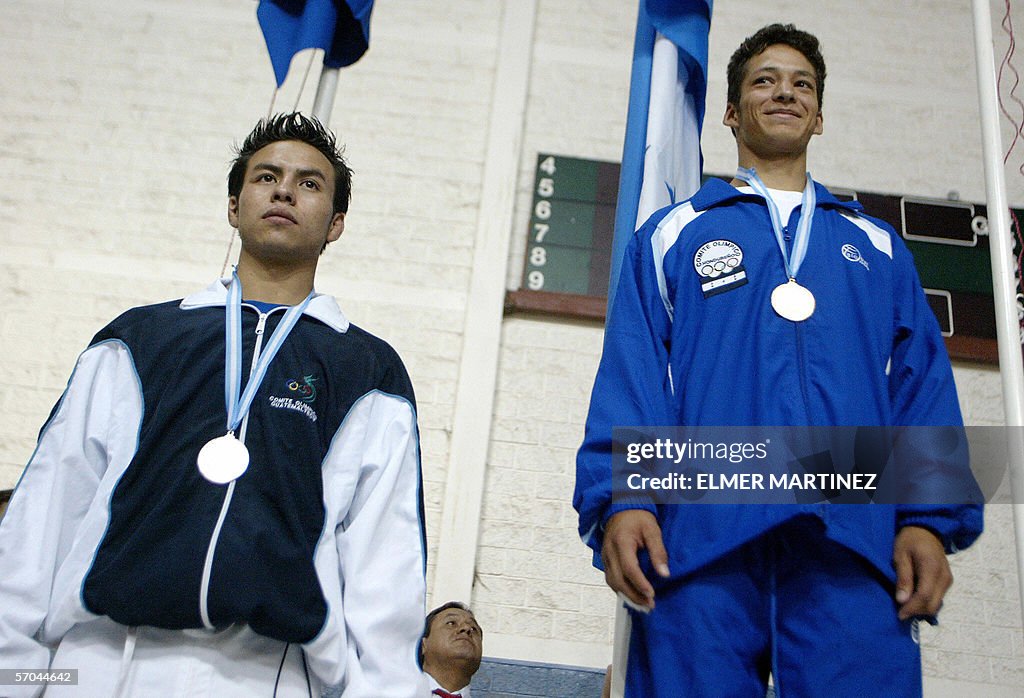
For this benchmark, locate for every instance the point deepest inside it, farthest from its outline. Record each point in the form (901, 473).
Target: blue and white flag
(661, 158)
(340, 27)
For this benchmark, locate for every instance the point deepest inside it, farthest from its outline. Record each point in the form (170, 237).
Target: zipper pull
(261, 324)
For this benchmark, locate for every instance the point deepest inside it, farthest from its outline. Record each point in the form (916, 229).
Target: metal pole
(1004, 285)
(325, 89)
(620, 648)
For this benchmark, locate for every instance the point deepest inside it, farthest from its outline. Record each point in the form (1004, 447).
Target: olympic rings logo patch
(717, 257)
(304, 389)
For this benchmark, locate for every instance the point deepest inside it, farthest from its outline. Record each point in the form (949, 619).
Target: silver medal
(792, 301)
(223, 459)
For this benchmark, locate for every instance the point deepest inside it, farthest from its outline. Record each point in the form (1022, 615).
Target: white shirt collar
(434, 684)
(322, 307)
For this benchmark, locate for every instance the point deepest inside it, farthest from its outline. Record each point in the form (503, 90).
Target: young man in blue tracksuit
(226, 500)
(767, 301)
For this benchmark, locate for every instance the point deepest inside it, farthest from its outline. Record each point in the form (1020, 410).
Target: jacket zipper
(802, 369)
(801, 364)
(204, 587)
(798, 330)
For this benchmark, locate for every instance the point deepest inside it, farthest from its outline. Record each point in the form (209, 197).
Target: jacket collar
(322, 307)
(717, 191)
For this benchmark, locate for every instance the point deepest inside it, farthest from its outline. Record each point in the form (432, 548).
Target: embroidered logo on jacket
(721, 263)
(853, 254)
(303, 389)
(302, 393)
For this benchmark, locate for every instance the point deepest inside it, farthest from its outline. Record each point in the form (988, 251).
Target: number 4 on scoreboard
(548, 165)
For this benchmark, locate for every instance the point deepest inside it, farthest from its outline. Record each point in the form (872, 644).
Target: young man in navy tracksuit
(226, 499)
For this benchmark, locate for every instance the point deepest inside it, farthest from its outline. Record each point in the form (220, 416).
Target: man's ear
(233, 211)
(337, 227)
(729, 118)
(819, 125)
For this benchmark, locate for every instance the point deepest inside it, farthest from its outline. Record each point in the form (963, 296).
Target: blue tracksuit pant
(810, 612)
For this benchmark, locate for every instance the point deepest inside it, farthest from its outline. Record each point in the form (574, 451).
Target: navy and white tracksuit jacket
(320, 543)
(684, 347)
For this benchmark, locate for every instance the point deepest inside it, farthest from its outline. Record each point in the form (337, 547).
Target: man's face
(778, 107)
(284, 212)
(454, 635)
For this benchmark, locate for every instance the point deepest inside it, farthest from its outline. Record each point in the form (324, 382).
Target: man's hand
(922, 572)
(627, 533)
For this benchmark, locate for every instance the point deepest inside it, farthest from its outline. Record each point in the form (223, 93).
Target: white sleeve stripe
(877, 236)
(65, 490)
(373, 531)
(664, 237)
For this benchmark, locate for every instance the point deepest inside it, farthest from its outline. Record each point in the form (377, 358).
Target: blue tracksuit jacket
(688, 344)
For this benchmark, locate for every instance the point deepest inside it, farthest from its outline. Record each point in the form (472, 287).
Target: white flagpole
(325, 89)
(1004, 285)
(620, 648)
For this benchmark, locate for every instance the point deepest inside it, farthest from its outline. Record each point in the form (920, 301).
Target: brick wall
(115, 133)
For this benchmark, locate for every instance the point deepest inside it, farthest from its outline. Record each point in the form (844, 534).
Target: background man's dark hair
(294, 127)
(433, 614)
(786, 34)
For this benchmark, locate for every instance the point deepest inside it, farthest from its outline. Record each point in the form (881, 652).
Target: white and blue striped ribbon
(237, 406)
(803, 229)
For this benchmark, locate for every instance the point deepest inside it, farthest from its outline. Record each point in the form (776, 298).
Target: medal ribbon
(803, 229)
(238, 407)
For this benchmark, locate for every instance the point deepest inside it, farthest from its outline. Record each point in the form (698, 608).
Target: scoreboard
(949, 241)
(568, 249)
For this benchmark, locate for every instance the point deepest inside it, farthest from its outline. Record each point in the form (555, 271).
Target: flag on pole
(661, 159)
(340, 27)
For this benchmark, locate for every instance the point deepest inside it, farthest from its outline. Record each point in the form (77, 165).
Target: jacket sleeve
(924, 398)
(100, 405)
(381, 550)
(632, 387)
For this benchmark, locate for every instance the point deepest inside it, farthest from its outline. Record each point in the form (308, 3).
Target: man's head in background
(452, 645)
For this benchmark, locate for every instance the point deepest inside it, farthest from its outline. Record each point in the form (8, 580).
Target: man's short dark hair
(433, 614)
(293, 127)
(785, 34)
